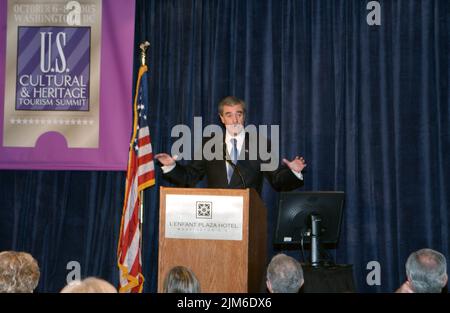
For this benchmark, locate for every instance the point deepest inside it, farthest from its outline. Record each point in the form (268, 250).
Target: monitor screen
(294, 216)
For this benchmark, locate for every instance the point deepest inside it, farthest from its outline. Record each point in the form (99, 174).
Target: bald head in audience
(284, 275)
(89, 285)
(426, 272)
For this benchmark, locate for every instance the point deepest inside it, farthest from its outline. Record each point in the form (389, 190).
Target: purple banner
(53, 115)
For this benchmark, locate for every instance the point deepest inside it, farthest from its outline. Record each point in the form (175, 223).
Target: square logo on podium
(204, 209)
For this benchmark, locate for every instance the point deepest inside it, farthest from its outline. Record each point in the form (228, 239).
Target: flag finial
(143, 46)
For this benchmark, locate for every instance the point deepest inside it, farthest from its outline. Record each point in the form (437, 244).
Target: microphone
(234, 166)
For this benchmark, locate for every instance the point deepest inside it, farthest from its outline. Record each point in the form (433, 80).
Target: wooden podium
(236, 261)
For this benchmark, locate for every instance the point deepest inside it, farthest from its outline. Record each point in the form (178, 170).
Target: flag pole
(143, 46)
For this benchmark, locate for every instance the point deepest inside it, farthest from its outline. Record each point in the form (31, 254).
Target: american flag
(140, 175)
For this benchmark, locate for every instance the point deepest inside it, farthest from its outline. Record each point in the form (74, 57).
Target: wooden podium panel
(220, 265)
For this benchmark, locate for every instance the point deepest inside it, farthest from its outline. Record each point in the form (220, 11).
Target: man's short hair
(285, 274)
(230, 100)
(427, 271)
(19, 272)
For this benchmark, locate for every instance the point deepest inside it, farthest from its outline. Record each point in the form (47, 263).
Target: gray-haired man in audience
(426, 272)
(284, 275)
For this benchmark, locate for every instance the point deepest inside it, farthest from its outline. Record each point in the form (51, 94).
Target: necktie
(234, 157)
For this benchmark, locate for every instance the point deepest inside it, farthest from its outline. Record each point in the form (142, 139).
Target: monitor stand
(315, 240)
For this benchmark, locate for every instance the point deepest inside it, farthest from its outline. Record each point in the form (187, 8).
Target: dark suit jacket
(189, 175)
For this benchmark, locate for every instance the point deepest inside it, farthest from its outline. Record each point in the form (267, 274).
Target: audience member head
(180, 279)
(426, 270)
(284, 274)
(19, 272)
(89, 285)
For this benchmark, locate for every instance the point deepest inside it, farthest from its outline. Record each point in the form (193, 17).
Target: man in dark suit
(239, 171)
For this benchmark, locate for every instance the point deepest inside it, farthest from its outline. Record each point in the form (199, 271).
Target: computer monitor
(296, 209)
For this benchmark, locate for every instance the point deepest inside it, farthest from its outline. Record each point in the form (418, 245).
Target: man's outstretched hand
(165, 159)
(297, 164)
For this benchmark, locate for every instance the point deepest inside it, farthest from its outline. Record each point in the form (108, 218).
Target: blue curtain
(367, 106)
(60, 217)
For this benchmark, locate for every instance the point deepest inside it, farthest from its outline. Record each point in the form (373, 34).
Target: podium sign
(204, 217)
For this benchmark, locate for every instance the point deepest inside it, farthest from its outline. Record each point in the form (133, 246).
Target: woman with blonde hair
(19, 272)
